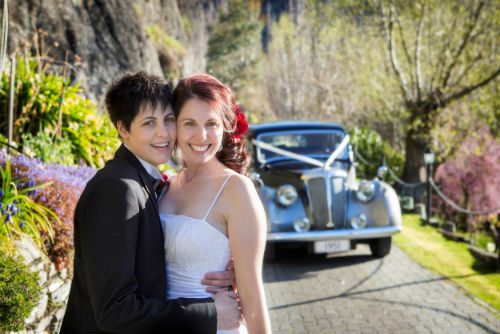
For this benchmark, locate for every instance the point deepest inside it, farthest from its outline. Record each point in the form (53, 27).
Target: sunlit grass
(450, 259)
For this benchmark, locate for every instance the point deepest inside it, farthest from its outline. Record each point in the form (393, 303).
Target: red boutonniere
(161, 186)
(164, 177)
(241, 124)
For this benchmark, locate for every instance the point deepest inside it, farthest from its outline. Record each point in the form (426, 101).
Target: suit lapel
(146, 179)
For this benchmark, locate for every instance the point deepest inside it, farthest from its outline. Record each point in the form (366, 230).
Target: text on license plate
(331, 246)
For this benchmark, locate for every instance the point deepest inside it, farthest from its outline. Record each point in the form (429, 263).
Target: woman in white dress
(212, 212)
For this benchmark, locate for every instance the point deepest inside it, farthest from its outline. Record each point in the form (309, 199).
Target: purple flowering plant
(64, 185)
(19, 214)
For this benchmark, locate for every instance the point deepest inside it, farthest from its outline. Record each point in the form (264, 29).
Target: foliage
(405, 67)
(482, 239)
(20, 215)
(171, 51)
(320, 66)
(233, 46)
(46, 102)
(465, 117)
(370, 151)
(61, 195)
(471, 179)
(47, 149)
(19, 293)
(187, 25)
(439, 52)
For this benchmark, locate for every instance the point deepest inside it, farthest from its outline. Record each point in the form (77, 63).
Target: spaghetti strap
(216, 197)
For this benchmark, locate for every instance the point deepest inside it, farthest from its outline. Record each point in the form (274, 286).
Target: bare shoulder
(240, 186)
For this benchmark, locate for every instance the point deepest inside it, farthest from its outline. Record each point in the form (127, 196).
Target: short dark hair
(129, 93)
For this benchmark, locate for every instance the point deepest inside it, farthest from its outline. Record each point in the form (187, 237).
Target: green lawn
(450, 259)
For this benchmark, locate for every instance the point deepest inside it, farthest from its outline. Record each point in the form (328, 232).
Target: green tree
(233, 46)
(439, 52)
(320, 66)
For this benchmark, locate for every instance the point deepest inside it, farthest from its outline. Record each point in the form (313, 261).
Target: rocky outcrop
(108, 37)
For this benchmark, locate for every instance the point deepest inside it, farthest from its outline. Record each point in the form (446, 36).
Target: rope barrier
(456, 206)
(363, 160)
(446, 199)
(393, 174)
(403, 183)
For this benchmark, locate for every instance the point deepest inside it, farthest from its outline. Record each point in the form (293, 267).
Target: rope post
(11, 102)
(429, 160)
(429, 193)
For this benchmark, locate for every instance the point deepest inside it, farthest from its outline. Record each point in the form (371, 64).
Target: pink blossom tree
(472, 180)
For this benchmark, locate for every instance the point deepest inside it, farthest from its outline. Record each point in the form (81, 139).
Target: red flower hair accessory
(241, 124)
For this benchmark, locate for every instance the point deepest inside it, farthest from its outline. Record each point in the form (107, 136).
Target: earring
(220, 148)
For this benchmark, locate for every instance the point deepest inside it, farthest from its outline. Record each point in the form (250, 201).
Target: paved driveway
(354, 293)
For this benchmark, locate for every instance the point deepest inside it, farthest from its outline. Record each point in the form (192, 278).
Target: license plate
(331, 246)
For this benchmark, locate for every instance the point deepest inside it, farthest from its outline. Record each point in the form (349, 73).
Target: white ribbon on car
(337, 152)
(303, 158)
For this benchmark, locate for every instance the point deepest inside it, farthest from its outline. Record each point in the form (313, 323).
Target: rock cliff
(166, 37)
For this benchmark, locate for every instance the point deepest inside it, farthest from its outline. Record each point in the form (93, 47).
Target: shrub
(373, 149)
(471, 179)
(19, 293)
(61, 196)
(47, 149)
(46, 102)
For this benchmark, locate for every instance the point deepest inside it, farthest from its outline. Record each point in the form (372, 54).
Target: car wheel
(381, 247)
(270, 252)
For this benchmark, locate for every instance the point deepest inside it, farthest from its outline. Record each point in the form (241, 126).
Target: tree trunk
(414, 169)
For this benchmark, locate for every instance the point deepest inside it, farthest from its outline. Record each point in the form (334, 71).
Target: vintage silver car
(305, 175)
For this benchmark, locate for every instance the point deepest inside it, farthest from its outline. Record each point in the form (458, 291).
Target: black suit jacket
(119, 283)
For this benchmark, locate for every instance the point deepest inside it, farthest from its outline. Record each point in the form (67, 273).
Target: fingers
(220, 283)
(218, 279)
(228, 310)
(226, 294)
(220, 275)
(230, 266)
(215, 289)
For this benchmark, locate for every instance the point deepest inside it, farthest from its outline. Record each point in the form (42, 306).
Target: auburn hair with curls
(207, 88)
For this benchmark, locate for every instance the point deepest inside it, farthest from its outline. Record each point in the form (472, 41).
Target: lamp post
(429, 160)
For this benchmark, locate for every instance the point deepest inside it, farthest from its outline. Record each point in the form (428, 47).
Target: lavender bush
(61, 196)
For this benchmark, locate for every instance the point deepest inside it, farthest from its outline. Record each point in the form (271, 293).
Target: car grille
(319, 202)
(339, 201)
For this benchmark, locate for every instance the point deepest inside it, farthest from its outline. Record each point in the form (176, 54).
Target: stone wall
(48, 314)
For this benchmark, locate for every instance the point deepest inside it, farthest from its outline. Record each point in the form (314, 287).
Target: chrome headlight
(366, 191)
(301, 225)
(286, 195)
(358, 222)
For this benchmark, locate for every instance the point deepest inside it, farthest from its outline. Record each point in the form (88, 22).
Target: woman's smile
(199, 148)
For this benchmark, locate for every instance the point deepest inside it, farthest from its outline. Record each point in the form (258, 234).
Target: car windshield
(318, 144)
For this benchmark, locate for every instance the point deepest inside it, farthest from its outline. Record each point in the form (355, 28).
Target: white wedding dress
(194, 247)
